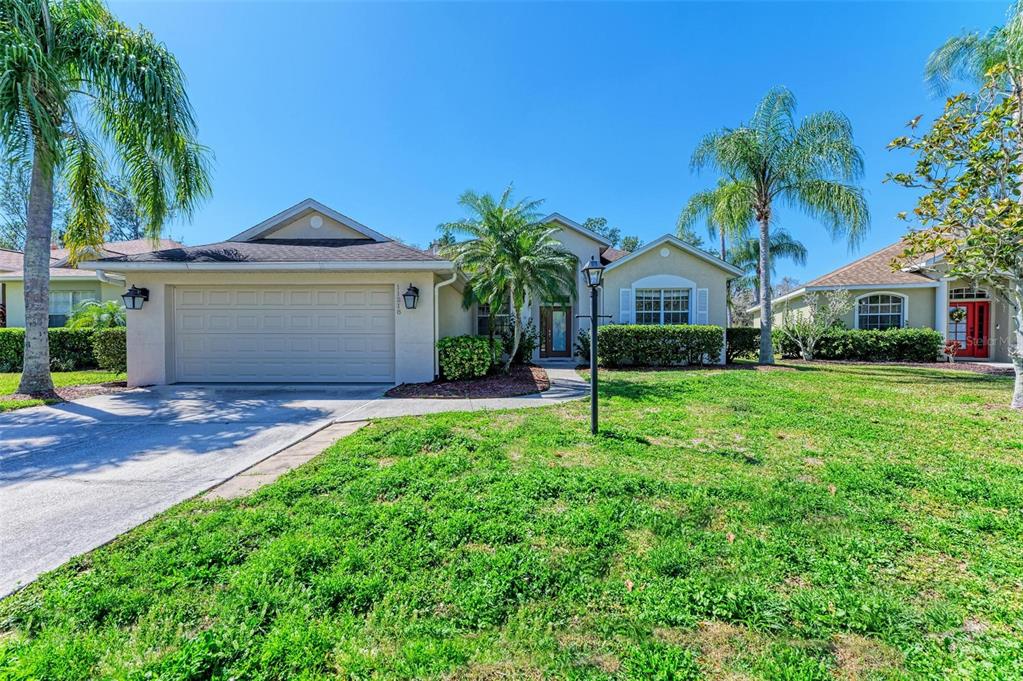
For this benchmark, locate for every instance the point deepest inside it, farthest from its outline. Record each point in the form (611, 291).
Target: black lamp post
(594, 272)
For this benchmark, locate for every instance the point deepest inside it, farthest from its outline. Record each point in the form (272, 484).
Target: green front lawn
(61, 379)
(838, 521)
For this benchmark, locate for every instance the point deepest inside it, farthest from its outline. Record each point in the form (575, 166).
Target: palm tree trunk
(728, 284)
(766, 321)
(35, 377)
(1017, 352)
(516, 319)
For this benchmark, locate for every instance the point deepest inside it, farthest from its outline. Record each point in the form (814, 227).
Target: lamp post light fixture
(411, 297)
(594, 273)
(134, 298)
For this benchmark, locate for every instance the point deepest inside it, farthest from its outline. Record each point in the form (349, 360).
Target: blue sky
(387, 112)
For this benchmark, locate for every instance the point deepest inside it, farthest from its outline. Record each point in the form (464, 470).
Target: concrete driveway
(76, 475)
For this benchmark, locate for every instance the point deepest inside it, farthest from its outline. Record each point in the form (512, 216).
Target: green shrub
(111, 349)
(529, 338)
(582, 346)
(467, 356)
(743, 341)
(620, 345)
(890, 345)
(70, 349)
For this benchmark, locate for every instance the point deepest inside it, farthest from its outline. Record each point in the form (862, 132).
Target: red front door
(972, 332)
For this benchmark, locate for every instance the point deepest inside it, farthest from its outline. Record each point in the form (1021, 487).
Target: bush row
(467, 356)
(743, 342)
(621, 345)
(70, 349)
(890, 345)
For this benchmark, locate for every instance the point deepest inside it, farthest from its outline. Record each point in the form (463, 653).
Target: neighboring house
(311, 295)
(917, 296)
(69, 286)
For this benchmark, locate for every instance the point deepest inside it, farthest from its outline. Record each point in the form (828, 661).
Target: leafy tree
(77, 84)
(511, 255)
(600, 226)
(15, 176)
(689, 236)
(968, 166)
(807, 326)
(94, 314)
(810, 166)
(785, 286)
(631, 243)
(746, 255)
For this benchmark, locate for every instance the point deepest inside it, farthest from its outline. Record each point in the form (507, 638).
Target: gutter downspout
(107, 279)
(436, 320)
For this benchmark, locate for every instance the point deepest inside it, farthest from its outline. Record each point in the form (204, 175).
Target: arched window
(968, 293)
(880, 311)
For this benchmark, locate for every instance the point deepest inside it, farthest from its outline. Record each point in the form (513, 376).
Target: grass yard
(61, 379)
(826, 522)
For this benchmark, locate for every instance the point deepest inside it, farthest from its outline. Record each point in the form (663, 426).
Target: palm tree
(970, 56)
(810, 166)
(746, 255)
(510, 255)
(727, 213)
(93, 314)
(74, 83)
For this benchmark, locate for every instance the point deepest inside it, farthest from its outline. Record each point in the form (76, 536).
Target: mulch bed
(75, 392)
(522, 380)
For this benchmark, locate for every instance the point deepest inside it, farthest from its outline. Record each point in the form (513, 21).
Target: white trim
(904, 322)
(330, 266)
(675, 241)
(572, 224)
(295, 211)
(85, 276)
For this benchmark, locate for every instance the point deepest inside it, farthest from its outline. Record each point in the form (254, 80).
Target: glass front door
(555, 330)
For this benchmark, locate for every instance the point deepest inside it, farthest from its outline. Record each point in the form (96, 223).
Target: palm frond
(841, 207)
(83, 173)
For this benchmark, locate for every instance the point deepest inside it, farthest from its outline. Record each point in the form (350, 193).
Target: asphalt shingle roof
(874, 268)
(285, 250)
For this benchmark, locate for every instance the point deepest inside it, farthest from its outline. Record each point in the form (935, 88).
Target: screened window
(662, 306)
(63, 303)
(967, 293)
(484, 320)
(880, 311)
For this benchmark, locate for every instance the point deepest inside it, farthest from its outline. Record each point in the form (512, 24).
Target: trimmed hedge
(621, 345)
(111, 349)
(70, 349)
(890, 345)
(467, 356)
(743, 341)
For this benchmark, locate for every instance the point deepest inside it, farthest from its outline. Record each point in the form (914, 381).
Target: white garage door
(284, 333)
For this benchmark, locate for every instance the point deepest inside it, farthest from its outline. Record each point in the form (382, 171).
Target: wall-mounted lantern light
(411, 297)
(134, 298)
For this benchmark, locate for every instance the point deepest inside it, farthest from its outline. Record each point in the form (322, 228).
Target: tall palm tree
(510, 255)
(970, 56)
(76, 82)
(746, 255)
(727, 213)
(810, 166)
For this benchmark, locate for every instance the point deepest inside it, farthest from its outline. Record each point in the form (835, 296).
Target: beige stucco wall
(150, 330)
(301, 229)
(453, 319)
(919, 306)
(16, 295)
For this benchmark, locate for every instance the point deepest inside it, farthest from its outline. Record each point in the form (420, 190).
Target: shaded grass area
(61, 379)
(838, 521)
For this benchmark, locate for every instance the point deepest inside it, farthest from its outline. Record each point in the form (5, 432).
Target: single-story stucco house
(311, 295)
(69, 286)
(919, 296)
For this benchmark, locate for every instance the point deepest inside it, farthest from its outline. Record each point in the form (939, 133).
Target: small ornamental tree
(970, 168)
(808, 326)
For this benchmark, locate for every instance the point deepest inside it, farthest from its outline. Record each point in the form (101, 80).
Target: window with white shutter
(625, 305)
(702, 305)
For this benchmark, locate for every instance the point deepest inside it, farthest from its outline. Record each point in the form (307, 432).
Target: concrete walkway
(73, 476)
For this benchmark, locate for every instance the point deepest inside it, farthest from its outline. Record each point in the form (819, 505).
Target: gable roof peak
(301, 208)
(573, 225)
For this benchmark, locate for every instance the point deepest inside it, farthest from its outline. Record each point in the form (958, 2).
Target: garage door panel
(285, 334)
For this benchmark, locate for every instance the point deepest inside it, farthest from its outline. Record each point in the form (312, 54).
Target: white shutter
(625, 305)
(702, 305)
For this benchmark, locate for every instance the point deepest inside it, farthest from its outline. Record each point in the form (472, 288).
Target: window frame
(483, 313)
(81, 294)
(903, 312)
(684, 296)
(978, 293)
